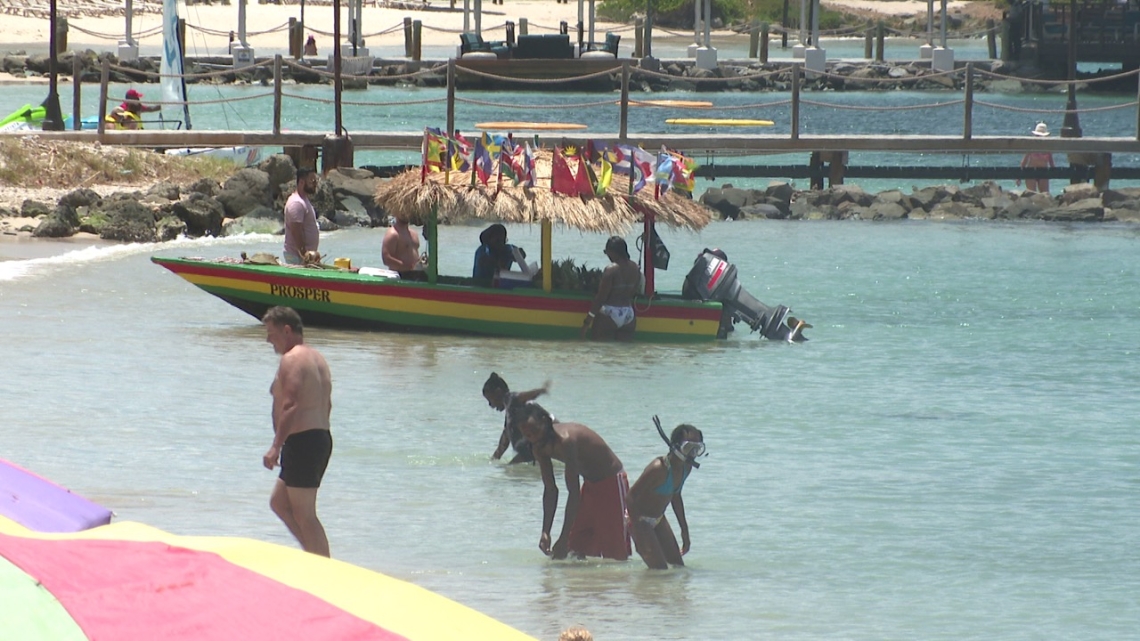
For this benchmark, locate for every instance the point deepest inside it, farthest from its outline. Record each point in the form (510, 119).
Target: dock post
(869, 44)
(836, 167)
(408, 37)
(1138, 107)
(76, 76)
(647, 45)
(1005, 48)
(1102, 172)
(815, 168)
(764, 39)
(417, 39)
(968, 124)
(638, 38)
(104, 76)
(61, 35)
(753, 40)
(796, 101)
(450, 97)
(523, 26)
(879, 42)
(991, 38)
(623, 127)
(277, 95)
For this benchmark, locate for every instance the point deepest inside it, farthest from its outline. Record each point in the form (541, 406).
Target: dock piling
(968, 103)
(796, 101)
(76, 77)
(869, 44)
(880, 34)
(764, 39)
(638, 38)
(624, 122)
(408, 37)
(417, 39)
(991, 39)
(277, 95)
(104, 78)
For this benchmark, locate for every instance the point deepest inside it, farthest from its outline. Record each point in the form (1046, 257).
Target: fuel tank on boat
(712, 277)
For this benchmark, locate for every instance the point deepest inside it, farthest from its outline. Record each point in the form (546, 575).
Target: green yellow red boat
(710, 303)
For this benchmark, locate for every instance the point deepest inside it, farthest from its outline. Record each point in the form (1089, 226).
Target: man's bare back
(581, 447)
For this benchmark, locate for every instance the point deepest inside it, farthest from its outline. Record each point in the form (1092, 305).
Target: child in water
(500, 397)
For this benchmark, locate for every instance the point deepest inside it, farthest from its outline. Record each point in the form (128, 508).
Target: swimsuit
(621, 316)
(599, 528)
(666, 488)
(304, 457)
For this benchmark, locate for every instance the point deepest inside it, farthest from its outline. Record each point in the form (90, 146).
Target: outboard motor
(714, 278)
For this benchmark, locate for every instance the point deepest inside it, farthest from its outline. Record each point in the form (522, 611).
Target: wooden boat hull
(334, 298)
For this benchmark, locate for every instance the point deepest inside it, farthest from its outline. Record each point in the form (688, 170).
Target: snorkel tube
(673, 448)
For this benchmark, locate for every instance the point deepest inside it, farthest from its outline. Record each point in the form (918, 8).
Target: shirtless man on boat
(302, 442)
(401, 248)
(611, 314)
(594, 522)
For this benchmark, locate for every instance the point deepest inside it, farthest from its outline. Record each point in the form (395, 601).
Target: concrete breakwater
(648, 75)
(252, 199)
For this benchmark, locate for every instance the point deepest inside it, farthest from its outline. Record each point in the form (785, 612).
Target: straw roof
(405, 198)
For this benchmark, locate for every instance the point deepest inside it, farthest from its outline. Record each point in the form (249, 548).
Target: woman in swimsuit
(659, 487)
(611, 314)
(500, 397)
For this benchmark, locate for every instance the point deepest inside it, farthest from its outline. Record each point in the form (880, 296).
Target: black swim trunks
(304, 458)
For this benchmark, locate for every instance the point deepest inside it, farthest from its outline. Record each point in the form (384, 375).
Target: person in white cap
(1037, 159)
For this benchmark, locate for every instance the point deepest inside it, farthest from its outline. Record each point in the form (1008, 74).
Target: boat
(517, 304)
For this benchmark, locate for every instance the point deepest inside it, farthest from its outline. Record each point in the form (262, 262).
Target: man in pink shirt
(301, 231)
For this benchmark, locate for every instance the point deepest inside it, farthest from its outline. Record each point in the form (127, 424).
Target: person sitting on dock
(311, 46)
(1037, 159)
(128, 115)
(611, 314)
(500, 397)
(401, 248)
(494, 254)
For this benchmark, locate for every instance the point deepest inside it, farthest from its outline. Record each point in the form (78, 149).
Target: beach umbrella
(412, 195)
(128, 581)
(43, 506)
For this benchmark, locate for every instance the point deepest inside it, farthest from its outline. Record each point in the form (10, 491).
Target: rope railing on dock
(564, 106)
(536, 81)
(145, 33)
(931, 105)
(750, 76)
(362, 103)
(1089, 81)
(1037, 110)
(925, 76)
(324, 73)
(225, 32)
(189, 76)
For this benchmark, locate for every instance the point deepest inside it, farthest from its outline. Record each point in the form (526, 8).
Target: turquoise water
(953, 455)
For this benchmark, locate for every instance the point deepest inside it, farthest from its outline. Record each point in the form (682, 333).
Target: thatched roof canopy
(405, 198)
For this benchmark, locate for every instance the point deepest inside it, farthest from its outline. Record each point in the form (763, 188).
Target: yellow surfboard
(690, 104)
(530, 126)
(719, 122)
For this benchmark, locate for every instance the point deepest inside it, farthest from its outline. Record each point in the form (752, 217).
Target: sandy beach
(208, 27)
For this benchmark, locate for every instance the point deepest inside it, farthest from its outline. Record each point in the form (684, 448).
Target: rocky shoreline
(252, 199)
(678, 75)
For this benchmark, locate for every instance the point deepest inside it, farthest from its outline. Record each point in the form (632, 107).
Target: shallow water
(953, 454)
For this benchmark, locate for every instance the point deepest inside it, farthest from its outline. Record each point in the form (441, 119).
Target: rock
(205, 186)
(243, 191)
(886, 210)
(353, 214)
(1111, 197)
(201, 215)
(34, 208)
(128, 221)
(1131, 215)
(1077, 192)
(164, 190)
(770, 212)
(280, 170)
(1084, 211)
(1028, 206)
(93, 223)
(168, 228)
(898, 72)
(81, 198)
(358, 185)
(61, 223)
(781, 191)
(949, 210)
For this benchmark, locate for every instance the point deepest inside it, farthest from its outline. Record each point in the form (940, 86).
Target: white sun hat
(1041, 129)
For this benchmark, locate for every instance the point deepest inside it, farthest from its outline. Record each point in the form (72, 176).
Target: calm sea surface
(953, 455)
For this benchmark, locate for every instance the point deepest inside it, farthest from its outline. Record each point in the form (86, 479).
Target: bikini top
(666, 488)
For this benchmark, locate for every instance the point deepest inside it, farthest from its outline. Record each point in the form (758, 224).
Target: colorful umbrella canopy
(43, 506)
(130, 581)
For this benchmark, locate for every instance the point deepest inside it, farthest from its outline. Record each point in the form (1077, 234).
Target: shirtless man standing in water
(302, 442)
(401, 248)
(611, 315)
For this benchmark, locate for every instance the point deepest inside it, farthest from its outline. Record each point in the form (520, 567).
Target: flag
(684, 170)
(584, 179)
(481, 159)
(561, 178)
(528, 166)
(665, 172)
(432, 151)
(460, 153)
(619, 156)
(641, 168)
(605, 177)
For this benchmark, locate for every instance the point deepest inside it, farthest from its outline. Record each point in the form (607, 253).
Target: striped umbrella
(129, 581)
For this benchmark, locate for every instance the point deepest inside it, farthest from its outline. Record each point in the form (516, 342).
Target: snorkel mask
(686, 450)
